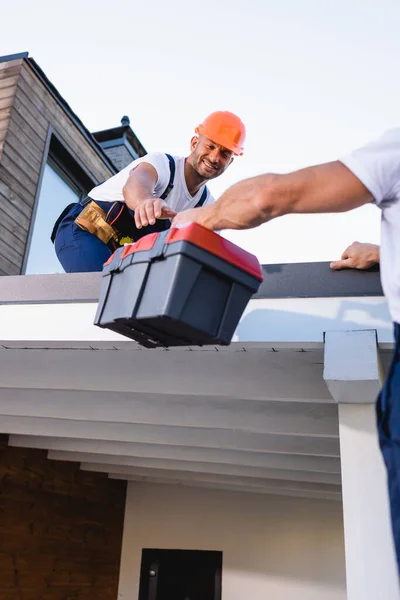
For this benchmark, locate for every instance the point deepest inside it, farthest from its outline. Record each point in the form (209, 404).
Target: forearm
(139, 187)
(321, 189)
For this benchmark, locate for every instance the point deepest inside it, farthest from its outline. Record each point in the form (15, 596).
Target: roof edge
(121, 133)
(317, 280)
(290, 280)
(71, 114)
(9, 57)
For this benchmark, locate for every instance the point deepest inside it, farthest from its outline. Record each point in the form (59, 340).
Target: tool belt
(115, 227)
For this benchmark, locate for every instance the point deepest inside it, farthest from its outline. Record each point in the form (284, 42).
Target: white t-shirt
(377, 165)
(178, 199)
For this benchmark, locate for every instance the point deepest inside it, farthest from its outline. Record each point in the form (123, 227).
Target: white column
(354, 376)
(129, 570)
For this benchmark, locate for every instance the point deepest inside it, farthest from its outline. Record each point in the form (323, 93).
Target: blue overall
(388, 416)
(80, 251)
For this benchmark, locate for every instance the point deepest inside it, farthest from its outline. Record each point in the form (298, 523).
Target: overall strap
(203, 197)
(171, 183)
(171, 177)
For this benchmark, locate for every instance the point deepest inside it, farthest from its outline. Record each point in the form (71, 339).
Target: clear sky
(311, 79)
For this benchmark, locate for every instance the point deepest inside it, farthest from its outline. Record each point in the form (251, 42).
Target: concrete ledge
(294, 280)
(62, 287)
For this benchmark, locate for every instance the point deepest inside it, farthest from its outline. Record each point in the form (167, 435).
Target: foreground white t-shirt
(178, 199)
(377, 165)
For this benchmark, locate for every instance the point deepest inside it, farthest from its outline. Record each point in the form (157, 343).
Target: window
(63, 182)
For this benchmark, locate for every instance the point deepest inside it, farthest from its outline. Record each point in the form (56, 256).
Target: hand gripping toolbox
(184, 286)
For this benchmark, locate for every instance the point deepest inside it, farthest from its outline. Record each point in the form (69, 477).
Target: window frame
(64, 161)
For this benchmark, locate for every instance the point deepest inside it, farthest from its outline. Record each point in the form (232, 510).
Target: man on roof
(144, 196)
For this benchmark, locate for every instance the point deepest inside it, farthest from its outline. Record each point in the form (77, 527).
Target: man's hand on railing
(358, 256)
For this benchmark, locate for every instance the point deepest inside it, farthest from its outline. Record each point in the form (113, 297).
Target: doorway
(180, 575)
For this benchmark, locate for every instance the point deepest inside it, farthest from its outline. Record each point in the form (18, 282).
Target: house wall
(273, 547)
(120, 156)
(28, 111)
(9, 72)
(60, 529)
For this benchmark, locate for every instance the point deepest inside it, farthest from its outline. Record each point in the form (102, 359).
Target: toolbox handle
(158, 249)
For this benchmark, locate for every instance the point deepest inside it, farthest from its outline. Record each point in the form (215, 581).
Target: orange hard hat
(225, 128)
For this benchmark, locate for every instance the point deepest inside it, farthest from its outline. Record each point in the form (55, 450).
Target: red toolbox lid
(203, 238)
(145, 243)
(215, 244)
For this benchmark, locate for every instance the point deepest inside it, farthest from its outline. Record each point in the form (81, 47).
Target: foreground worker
(368, 174)
(146, 195)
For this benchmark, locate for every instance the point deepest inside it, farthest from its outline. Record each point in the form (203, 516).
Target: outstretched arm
(325, 188)
(138, 195)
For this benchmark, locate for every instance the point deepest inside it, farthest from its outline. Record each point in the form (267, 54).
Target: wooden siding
(9, 72)
(27, 110)
(60, 529)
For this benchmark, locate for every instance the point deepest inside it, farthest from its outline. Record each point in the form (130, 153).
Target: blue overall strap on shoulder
(171, 183)
(203, 197)
(171, 177)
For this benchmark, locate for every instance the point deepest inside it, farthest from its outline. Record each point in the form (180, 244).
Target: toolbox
(185, 286)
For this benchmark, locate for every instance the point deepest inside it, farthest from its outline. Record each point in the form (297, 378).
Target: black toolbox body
(185, 286)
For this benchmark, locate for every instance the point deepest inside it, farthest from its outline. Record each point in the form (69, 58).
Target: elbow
(128, 196)
(125, 190)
